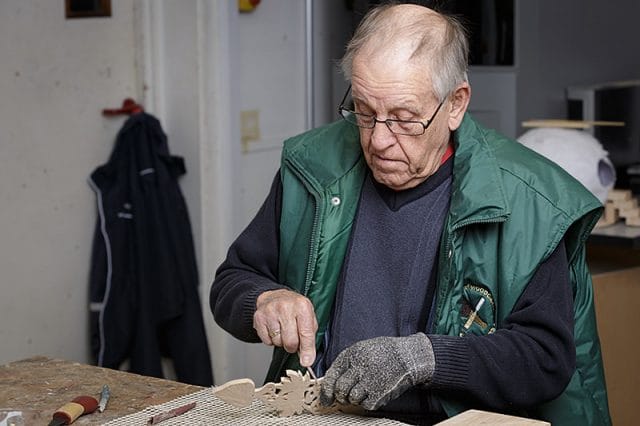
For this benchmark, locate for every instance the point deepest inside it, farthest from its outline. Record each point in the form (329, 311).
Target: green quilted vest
(497, 188)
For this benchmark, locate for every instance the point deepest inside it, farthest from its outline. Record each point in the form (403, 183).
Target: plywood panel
(616, 299)
(477, 417)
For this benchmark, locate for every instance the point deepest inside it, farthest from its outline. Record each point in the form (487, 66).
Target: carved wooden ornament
(295, 394)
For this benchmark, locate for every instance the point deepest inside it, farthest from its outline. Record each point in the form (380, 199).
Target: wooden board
(477, 418)
(570, 124)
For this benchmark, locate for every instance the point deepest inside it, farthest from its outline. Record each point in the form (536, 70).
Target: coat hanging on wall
(144, 301)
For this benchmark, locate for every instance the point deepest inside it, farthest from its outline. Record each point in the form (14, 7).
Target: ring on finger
(273, 333)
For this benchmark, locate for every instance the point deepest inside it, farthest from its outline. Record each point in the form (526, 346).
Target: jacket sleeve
(251, 268)
(528, 361)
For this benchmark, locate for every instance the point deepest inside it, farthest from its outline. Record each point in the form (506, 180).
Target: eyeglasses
(398, 127)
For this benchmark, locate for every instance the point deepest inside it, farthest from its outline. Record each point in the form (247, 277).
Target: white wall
(56, 75)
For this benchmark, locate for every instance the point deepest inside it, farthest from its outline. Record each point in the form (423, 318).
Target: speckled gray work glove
(372, 372)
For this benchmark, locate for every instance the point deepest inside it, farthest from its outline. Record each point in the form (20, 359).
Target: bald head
(395, 34)
(402, 24)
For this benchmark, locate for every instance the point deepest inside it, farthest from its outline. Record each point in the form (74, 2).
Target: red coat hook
(129, 107)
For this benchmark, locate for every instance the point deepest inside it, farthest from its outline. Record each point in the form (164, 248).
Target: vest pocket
(477, 310)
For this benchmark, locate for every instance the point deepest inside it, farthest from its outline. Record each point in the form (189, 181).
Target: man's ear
(458, 106)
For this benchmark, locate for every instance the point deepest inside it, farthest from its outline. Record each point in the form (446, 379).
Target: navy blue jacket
(144, 280)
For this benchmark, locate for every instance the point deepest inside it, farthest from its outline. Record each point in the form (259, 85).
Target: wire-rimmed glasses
(398, 127)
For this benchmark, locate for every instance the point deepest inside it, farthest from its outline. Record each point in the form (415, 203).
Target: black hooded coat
(144, 301)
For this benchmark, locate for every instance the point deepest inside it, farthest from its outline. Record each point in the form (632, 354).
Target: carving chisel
(104, 398)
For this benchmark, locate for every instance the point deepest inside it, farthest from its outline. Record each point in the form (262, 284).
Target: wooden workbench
(43, 385)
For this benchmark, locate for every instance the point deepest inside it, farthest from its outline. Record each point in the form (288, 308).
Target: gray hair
(442, 42)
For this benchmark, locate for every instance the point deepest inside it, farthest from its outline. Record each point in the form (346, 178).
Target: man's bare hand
(287, 319)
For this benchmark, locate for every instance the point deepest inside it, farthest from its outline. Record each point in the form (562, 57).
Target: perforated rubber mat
(209, 410)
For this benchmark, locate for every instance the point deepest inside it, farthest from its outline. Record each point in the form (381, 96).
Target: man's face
(402, 92)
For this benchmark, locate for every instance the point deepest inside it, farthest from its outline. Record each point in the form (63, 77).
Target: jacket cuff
(451, 361)
(249, 304)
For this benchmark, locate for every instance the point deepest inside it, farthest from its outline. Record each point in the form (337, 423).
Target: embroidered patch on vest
(478, 310)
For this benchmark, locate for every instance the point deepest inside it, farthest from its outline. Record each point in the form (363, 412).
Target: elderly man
(422, 263)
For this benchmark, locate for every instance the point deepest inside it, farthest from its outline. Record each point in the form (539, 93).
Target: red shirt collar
(447, 154)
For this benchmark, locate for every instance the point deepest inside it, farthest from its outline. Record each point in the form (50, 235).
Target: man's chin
(391, 181)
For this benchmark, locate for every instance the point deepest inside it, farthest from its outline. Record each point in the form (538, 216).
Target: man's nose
(381, 136)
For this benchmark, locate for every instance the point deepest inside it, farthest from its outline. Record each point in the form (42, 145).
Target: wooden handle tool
(70, 411)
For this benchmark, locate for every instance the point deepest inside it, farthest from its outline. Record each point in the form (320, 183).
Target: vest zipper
(313, 251)
(442, 290)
